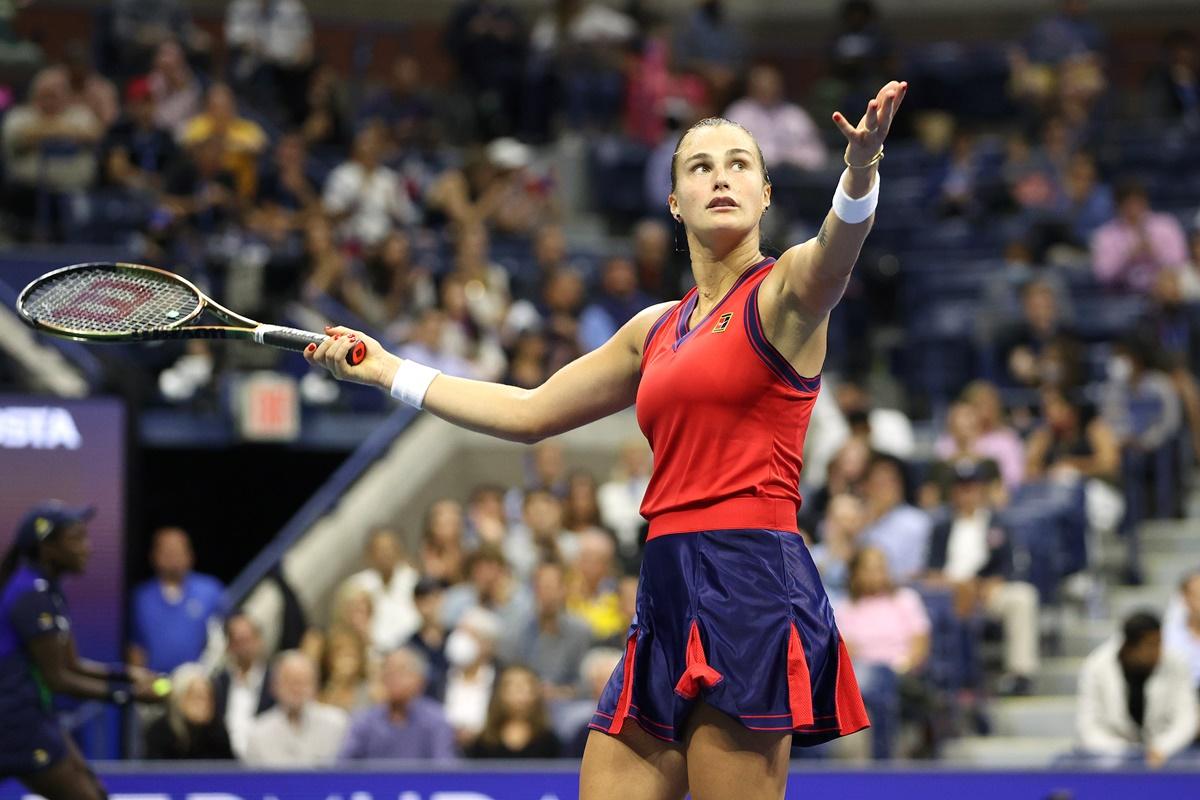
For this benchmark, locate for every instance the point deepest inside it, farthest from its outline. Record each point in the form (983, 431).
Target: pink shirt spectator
(880, 629)
(785, 132)
(1001, 445)
(1116, 261)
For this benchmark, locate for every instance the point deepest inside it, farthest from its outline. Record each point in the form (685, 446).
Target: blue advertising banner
(561, 784)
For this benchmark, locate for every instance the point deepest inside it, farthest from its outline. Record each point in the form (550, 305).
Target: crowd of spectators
(1050, 351)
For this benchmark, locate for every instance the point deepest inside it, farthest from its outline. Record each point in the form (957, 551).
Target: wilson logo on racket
(115, 302)
(723, 323)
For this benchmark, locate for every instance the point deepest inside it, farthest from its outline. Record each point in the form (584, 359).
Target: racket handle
(296, 340)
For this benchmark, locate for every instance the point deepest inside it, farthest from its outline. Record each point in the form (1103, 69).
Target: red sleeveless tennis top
(725, 415)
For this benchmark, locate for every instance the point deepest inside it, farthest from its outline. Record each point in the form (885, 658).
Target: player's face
(719, 182)
(72, 549)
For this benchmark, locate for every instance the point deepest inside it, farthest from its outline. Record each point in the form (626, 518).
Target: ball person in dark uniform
(38, 657)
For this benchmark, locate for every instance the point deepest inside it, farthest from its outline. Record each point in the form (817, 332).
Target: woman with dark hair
(734, 654)
(191, 728)
(38, 657)
(517, 724)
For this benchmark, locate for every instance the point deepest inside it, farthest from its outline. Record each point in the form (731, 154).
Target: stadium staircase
(1033, 731)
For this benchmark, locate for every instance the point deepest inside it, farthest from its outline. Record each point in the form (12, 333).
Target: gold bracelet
(878, 157)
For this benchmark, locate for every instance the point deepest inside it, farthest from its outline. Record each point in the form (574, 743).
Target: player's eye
(700, 166)
(739, 163)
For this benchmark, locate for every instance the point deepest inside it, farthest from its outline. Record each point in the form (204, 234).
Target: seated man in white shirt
(389, 579)
(972, 555)
(242, 688)
(1181, 624)
(1136, 703)
(298, 731)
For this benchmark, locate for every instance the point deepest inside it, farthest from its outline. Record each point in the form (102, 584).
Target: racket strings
(109, 301)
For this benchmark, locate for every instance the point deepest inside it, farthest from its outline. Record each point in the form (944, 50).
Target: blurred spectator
(620, 498)
(954, 189)
(467, 336)
(324, 118)
(404, 106)
(298, 731)
(1069, 440)
(844, 475)
(596, 669)
(517, 723)
(429, 343)
(617, 302)
(287, 195)
(140, 26)
(592, 586)
(707, 43)
(1090, 202)
(442, 552)
(490, 584)
(581, 510)
(48, 153)
(496, 186)
(1029, 348)
(786, 134)
(346, 670)
(997, 440)
(241, 139)
(971, 553)
(894, 526)
(1174, 328)
(885, 430)
(844, 521)
(486, 520)
(1181, 630)
(487, 41)
(354, 610)
(177, 91)
(136, 150)
(1033, 185)
(89, 86)
(271, 45)
(191, 729)
(389, 580)
(242, 687)
(554, 641)
(406, 724)
(960, 443)
(430, 638)
(1173, 88)
(199, 193)
(333, 273)
(860, 48)
(171, 611)
(1136, 703)
(1129, 250)
(1189, 274)
(401, 287)
(487, 283)
(887, 633)
(541, 536)
(577, 56)
(1139, 401)
(364, 196)
(1065, 33)
(471, 651)
(656, 274)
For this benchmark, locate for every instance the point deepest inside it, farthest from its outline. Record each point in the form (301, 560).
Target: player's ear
(673, 207)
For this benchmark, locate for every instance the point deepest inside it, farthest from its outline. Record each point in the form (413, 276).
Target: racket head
(109, 301)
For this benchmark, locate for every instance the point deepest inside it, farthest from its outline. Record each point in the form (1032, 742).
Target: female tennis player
(38, 658)
(734, 654)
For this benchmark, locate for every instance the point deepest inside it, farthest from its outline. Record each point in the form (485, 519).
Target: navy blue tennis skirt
(740, 619)
(30, 741)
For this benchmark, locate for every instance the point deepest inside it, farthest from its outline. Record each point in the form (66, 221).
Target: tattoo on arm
(822, 236)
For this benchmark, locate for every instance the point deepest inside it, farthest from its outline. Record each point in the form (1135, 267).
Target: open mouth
(722, 202)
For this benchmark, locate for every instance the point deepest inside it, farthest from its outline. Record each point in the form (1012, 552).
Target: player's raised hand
(865, 139)
(331, 354)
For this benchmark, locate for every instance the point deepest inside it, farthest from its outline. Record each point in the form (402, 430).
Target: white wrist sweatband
(412, 382)
(851, 210)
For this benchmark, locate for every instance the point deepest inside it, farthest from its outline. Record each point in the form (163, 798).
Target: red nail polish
(311, 348)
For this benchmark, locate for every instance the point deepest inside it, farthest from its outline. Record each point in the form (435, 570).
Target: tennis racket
(115, 302)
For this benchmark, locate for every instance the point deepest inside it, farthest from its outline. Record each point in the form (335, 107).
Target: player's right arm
(593, 386)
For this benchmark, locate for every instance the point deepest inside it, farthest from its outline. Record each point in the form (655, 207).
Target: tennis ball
(162, 687)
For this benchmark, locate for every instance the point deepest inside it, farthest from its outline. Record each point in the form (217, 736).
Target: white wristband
(853, 210)
(412, 382)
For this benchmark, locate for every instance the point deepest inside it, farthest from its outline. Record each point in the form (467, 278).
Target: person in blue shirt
(170, 612)
(38, 657)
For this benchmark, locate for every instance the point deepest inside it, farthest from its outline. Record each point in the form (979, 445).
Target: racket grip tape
(296, 339)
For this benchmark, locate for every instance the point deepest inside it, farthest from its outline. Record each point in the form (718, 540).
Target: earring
(678, 218)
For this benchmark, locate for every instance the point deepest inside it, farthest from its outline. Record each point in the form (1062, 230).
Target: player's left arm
(811, 277)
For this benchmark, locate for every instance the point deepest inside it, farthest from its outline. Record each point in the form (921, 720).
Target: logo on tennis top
(723, 323)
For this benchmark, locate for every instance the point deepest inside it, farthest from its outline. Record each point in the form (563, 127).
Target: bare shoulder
(636, 329)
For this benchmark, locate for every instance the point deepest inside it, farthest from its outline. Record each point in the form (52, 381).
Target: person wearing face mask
(1136, 702)
(470, 650)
